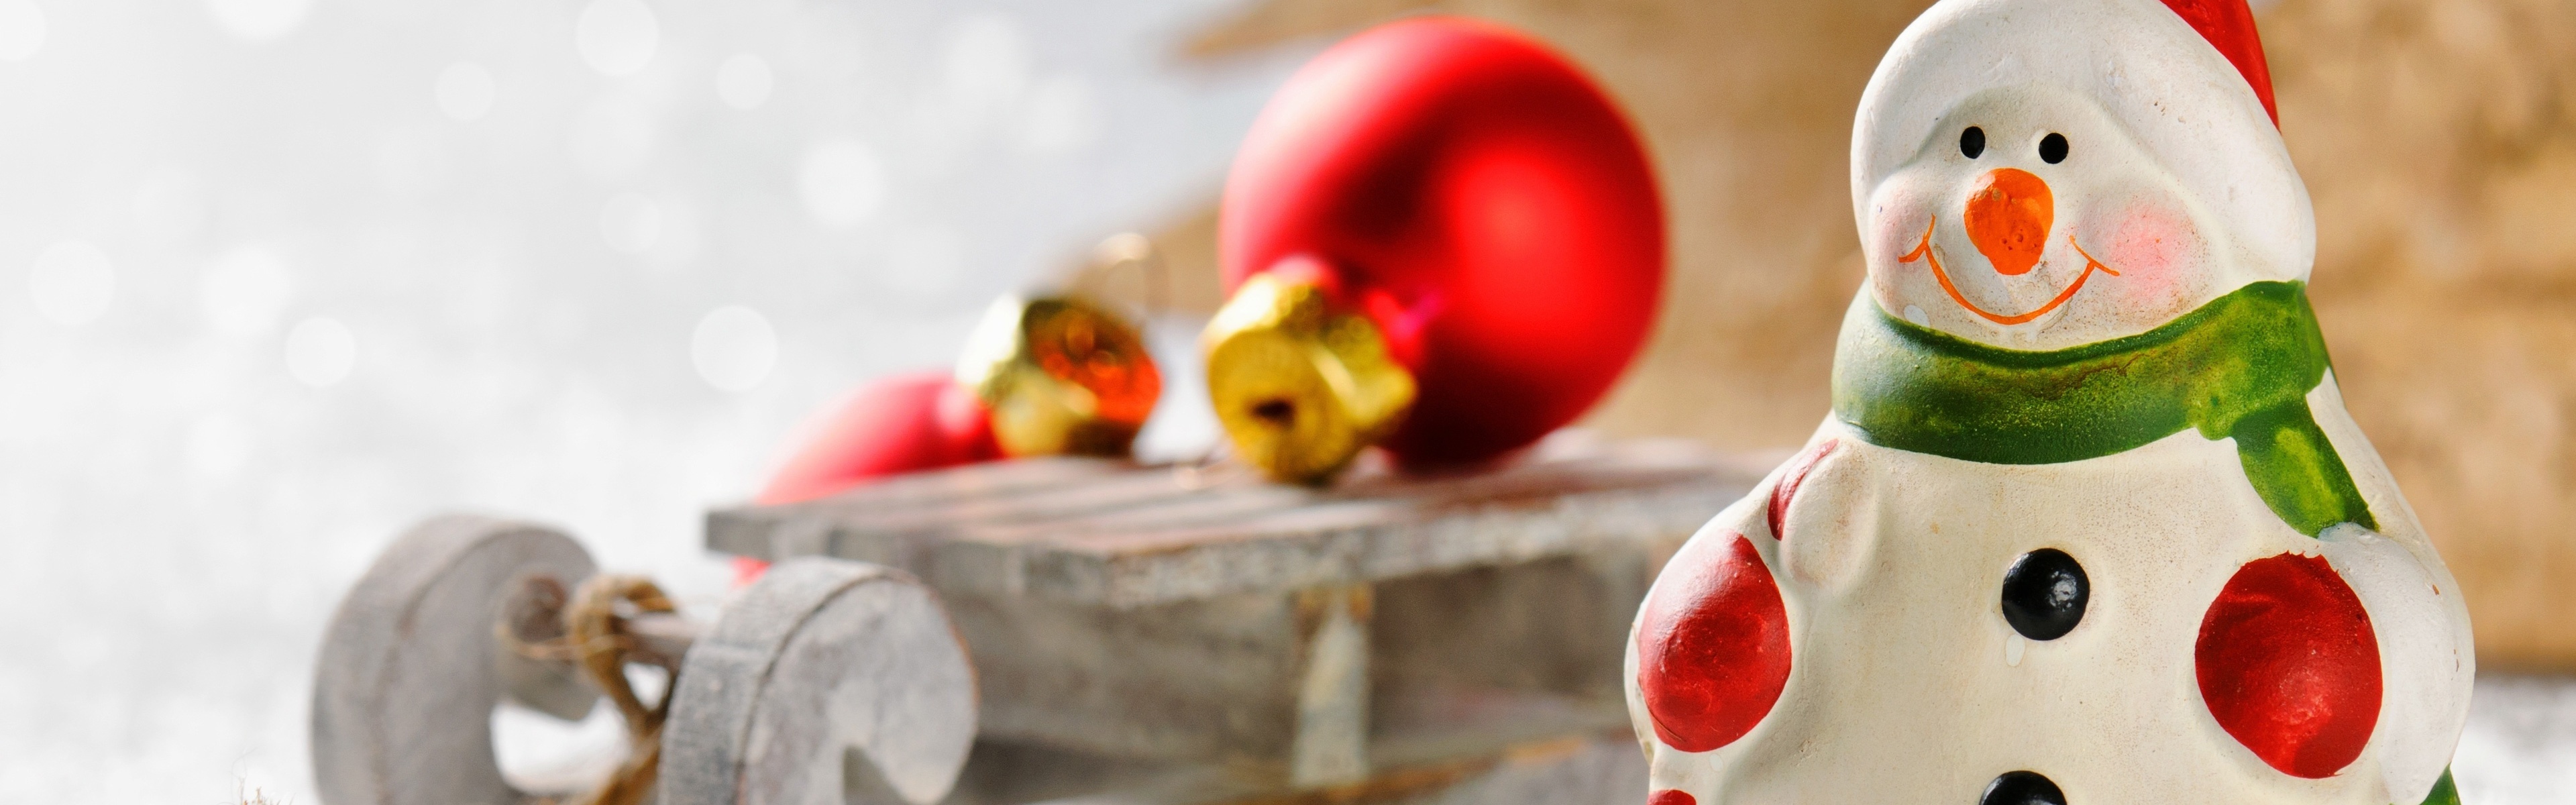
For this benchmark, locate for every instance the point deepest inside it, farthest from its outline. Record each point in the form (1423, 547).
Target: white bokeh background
(281, 277)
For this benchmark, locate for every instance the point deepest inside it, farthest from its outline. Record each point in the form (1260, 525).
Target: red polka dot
(1670, 796)
(1713, 647)
(1787, 489)
(2289, 665)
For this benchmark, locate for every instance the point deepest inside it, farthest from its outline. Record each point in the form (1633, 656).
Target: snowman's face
(2029, 219)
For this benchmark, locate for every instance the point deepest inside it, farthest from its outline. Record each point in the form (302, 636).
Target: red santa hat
(2229, 27)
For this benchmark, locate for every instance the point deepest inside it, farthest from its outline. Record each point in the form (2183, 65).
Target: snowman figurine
(2088, 523)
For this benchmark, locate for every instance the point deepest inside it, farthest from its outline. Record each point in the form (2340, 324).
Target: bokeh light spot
(842, 183)
(617, 37)
(1061, 116)
(219, 446)
(988, 64)
(924, 262)
(465, 91)
(744, 81)
(259, 20)
(22, 30)
(244, 291)
(734, 348)
(72, 283)
(676, 239)
(612, 136)
(169, 207)
(630, 223)
(320, 351)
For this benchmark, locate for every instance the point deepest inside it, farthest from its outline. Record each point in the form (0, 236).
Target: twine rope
(595, 639)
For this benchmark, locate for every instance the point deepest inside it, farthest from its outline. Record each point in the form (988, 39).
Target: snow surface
(2520, 747)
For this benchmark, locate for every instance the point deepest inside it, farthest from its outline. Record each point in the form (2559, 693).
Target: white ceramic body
(1907, 685)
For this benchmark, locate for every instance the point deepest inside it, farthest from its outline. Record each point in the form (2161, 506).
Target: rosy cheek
(1897, 221)
(1896, 233)
(2158, 254)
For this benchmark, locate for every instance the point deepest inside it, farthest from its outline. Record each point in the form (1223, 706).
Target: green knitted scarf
(2240, 366)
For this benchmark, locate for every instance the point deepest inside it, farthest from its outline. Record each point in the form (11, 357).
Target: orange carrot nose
(2008, 218)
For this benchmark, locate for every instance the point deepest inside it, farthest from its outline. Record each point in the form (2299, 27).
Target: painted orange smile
(1923, 251)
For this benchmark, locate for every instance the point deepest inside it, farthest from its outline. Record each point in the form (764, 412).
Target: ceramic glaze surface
(1718, 652)
(2089, 523)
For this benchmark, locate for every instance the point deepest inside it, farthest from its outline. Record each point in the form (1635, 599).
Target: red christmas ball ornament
(1441, 238)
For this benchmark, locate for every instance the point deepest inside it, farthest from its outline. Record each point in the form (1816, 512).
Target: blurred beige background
(2438, 138)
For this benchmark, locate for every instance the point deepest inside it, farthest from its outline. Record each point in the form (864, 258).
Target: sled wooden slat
(1122, 535)
(1210, 619)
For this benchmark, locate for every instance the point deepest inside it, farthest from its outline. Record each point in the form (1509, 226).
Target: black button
(2044, 594)
(2022, 788)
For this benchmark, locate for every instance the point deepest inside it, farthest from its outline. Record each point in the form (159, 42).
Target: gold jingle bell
(1299, 386)
(1060, 376)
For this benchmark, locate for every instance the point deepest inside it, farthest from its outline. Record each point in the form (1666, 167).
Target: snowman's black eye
(2022, 788)
(2044, 594)
(2053, 148)
(1972, 142)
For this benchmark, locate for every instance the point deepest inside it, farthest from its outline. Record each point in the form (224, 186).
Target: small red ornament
(1042, 376)
(906, 423)
(2289, 665)
(1467, 210)
(1713, 646)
